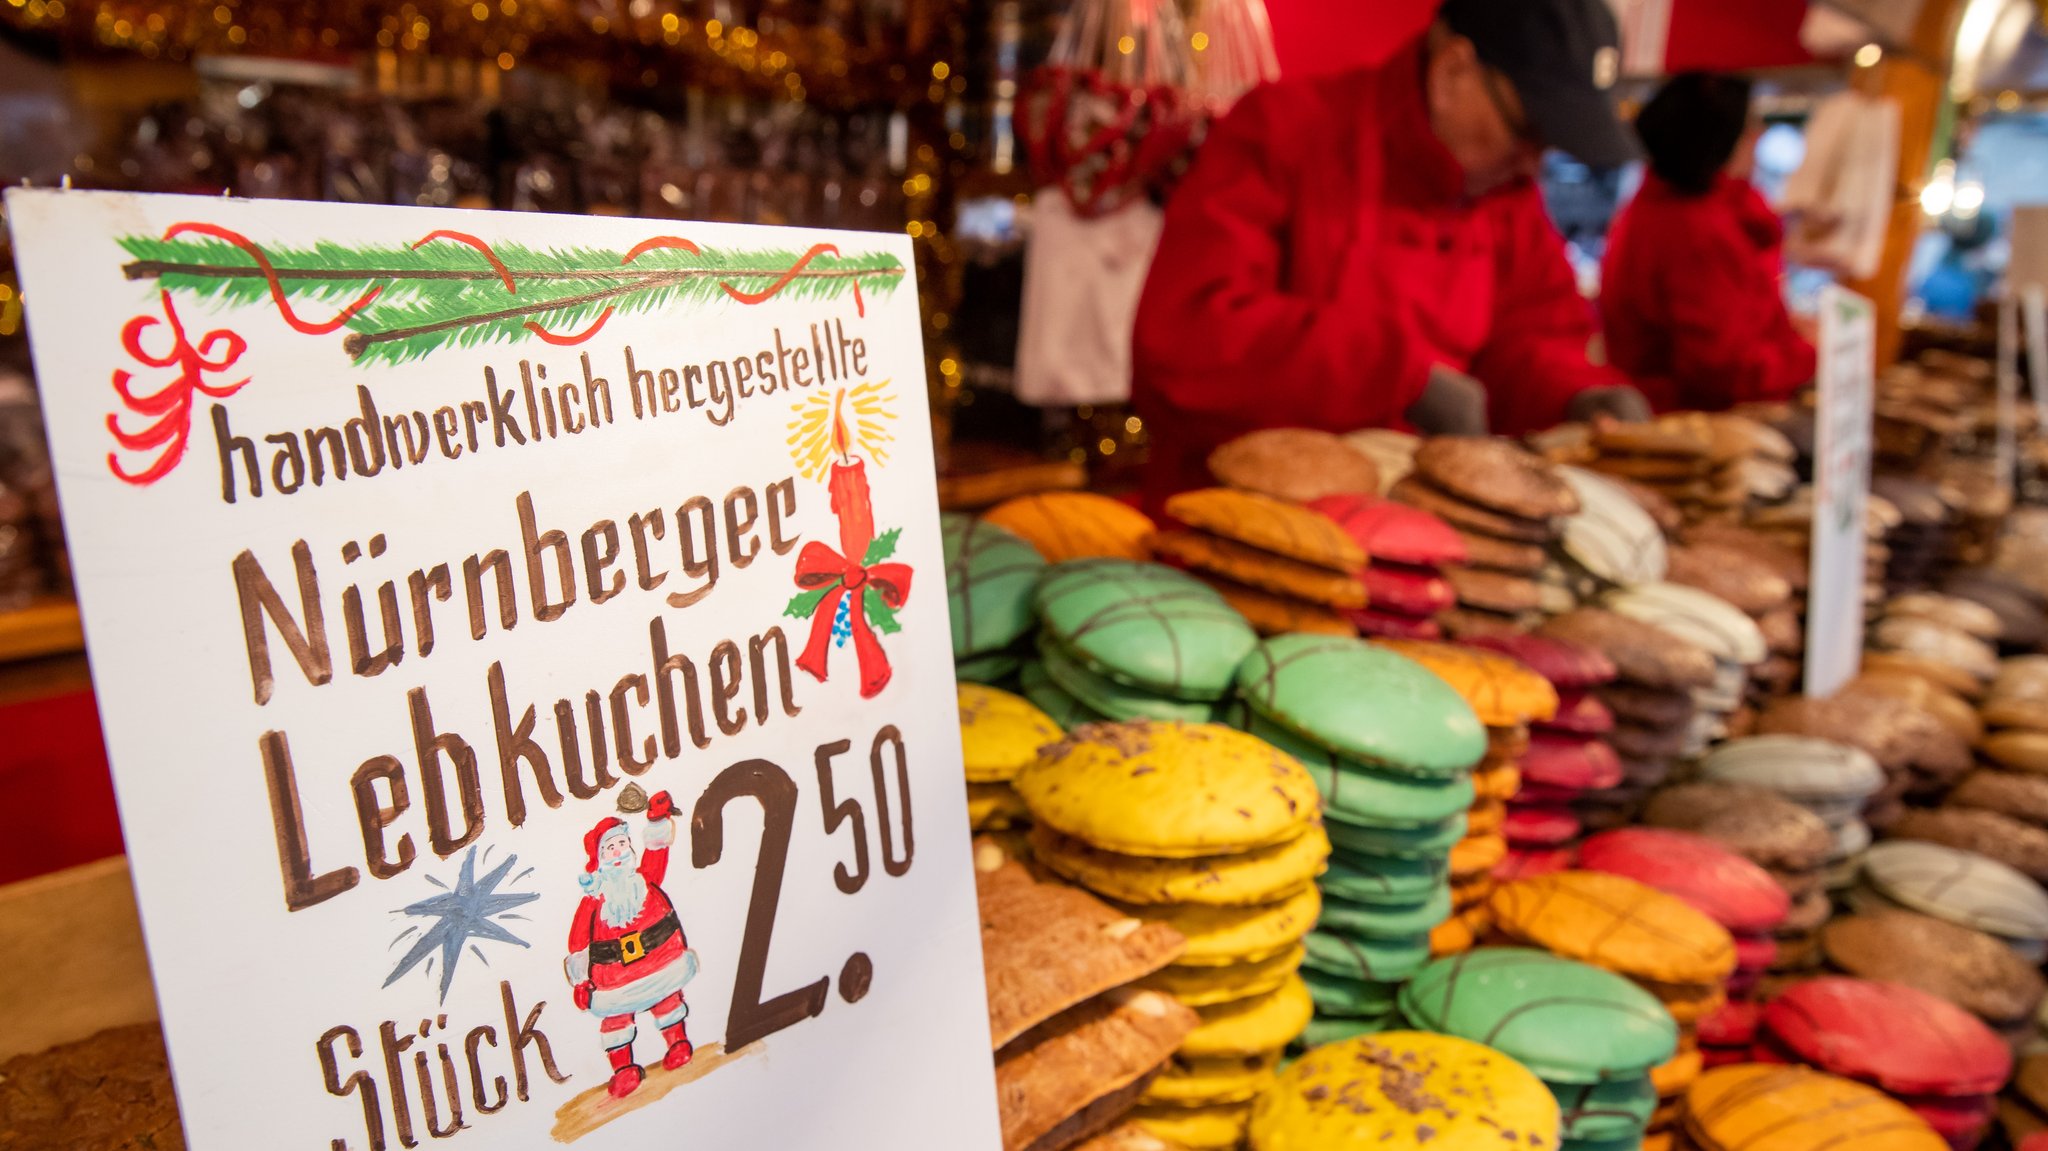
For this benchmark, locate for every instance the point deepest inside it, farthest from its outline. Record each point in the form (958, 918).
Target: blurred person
(1370, 249)
(1691, 288)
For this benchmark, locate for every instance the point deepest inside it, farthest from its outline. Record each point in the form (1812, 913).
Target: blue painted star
(469, 911)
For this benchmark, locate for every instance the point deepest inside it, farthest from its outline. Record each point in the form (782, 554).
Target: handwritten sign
(2007, 406)
(2034, 307)
(1841, 475)
(525, 669)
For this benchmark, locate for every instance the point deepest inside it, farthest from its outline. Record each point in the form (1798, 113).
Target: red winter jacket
(1690, 294)
(1322, 255)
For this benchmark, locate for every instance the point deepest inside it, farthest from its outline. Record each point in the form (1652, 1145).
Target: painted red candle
(847, 576)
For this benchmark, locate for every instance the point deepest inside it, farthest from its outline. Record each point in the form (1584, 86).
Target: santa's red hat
(606, 828)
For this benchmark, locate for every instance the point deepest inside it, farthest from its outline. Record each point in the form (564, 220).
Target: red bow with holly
(878, 590)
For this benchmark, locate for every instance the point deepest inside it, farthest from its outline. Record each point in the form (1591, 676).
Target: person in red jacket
(1690, 286)
(1352, 251)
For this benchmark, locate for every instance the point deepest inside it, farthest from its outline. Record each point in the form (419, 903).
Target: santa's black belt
(633, 948)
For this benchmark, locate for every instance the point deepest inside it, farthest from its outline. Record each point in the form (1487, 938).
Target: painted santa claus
(627, 954)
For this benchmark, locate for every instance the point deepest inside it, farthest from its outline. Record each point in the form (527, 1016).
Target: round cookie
(2019, 750)
(1271, 614)
(1207, 986)
(1250, 1026)
(1731, 574)
(1502, 692)
(1966, 967)
(1688, 1003)
(1612, 536)
(1494, 591)
(1497, 474)
(1356, 794)
(1485, 818)
(1263, 570)
(1568, 665)
(994, 807)
(1393, 625)
(1403, 1091)
(1648, 708)
(1960, 887)
(1501, 555)
(1763, 826)
(1597, 1112)
(1324, 1030)
(1469, 893)
(1408, 591)
(1894, 1037)
(1393, 451)
(1347, 997)
(1673, 439)
(1477, 855)
(1759, 1107)
(1212, 1082)
(994, 668)
(990, 574)
(1465, 621)
(1469, 518)
(1213, 1128)
(1707, 621)
(1539, 827)
(1963, 615)
(1383, 880)
(1000, 733)
(1062, 526)
(1506, 745)
(1365, 960)
(1145, 625)
(1385, 921)
(1816, 773)
(1393, 533)
(1461, 932)
(1239, 879)
(1669, 1080)
(1529, 864)
(1618, 924)
(1362, 702)
(1169, 790)
(1218, 936)
(1400, 843)
(1572, 764)
(1273, 525)
(1497, 783)
(2019, 845)
(1054, 700)
(1295, 464)
(1121, 703)
(1569, 1022)
(1728, 888)
(1581, 713)
(1643, 653)
(1999, 711)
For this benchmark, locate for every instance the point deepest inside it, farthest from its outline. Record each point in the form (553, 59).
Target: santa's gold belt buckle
(630, 948)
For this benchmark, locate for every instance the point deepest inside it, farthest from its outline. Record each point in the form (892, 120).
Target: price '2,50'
(752, 1017)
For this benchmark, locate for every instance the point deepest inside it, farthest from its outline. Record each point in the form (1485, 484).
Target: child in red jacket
(1691, 284)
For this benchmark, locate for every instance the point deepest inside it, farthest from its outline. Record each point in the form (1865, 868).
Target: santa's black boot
(626, 1074)
(679, 1049)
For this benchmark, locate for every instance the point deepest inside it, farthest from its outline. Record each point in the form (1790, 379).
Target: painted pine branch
(450, 294)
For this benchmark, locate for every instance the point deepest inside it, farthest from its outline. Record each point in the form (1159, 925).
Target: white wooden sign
(524, 661)
(1841, 476)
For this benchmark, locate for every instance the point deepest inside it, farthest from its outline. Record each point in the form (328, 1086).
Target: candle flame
(842, 440)
(835, 426)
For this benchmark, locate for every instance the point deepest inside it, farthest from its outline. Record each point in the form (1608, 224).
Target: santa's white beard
(623, 890)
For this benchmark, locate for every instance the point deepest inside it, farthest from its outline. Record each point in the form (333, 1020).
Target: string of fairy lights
(837, 61)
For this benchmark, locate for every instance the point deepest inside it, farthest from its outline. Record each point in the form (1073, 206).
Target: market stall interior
(1663, 780)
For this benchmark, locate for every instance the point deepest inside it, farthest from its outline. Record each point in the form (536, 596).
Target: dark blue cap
(1563, 57)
